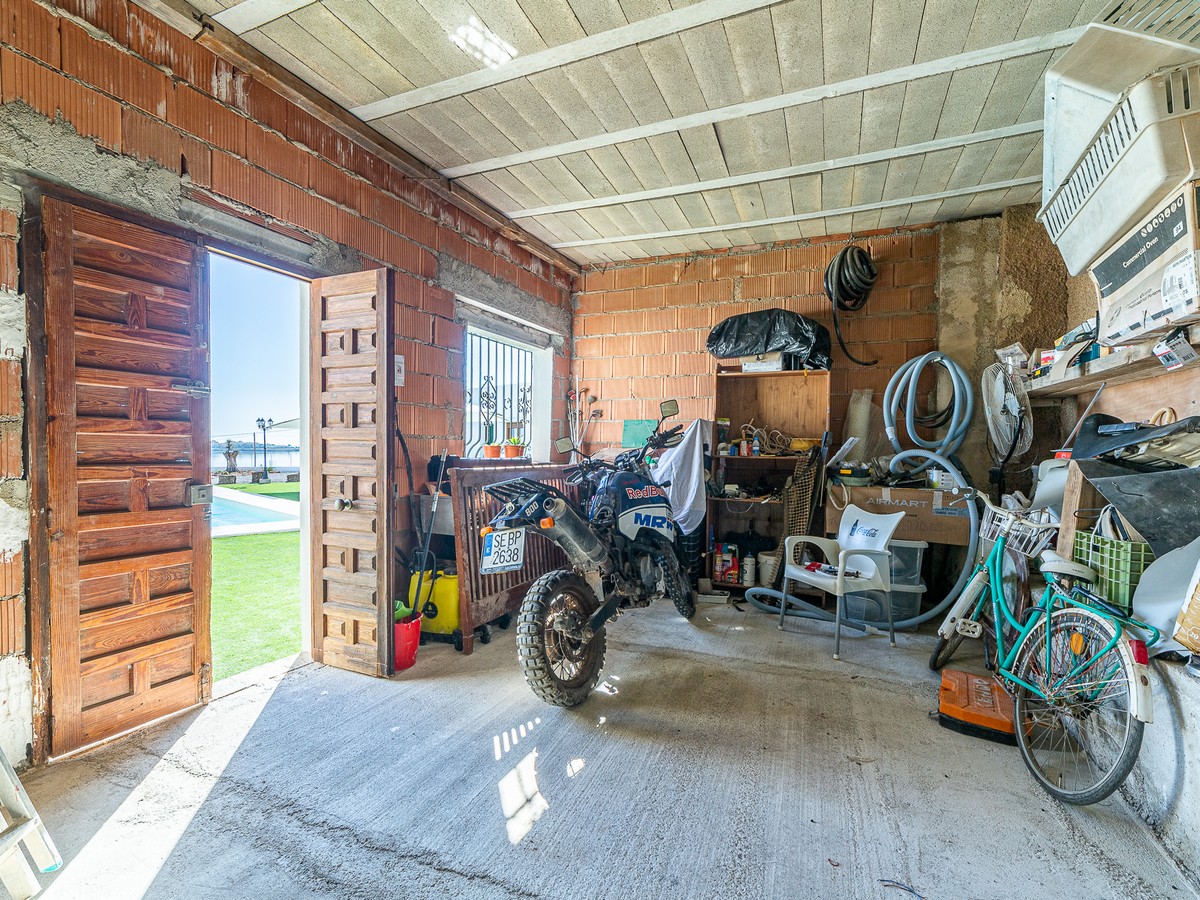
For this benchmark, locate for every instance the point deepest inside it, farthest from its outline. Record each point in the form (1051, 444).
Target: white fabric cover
(683, 466)
(1161, 591)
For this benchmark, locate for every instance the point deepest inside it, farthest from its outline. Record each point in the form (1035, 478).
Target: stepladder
(23, 827)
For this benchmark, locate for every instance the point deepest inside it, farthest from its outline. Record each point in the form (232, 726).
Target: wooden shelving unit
(1131, 364)
(794, 403)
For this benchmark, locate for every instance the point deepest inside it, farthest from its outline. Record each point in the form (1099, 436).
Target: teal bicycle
(1076, 666)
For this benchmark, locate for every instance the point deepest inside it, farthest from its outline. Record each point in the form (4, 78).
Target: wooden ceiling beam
(220, 40)
(809, 216)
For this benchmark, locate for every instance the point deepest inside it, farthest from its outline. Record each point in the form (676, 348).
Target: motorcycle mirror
(564, 445)
(669, 408)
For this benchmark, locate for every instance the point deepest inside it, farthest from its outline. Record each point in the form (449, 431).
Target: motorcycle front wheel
(679, 588)
(561, 670)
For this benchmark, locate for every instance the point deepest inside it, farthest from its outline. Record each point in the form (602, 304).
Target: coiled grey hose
(955, 416)
(808, 611)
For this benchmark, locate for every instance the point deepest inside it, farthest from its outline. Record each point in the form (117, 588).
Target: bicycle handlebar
(971, 493)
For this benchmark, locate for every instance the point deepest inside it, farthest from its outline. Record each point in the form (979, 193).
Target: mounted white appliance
(1122, 124)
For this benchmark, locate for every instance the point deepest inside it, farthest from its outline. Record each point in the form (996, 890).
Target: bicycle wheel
(1081, 740)
(963, 607)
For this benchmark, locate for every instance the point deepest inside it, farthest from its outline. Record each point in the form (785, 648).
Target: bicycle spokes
(1076, 731)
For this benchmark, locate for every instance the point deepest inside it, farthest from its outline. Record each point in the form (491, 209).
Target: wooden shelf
(749, 501)
(1134, 363)
(786, 373)
(742, 459)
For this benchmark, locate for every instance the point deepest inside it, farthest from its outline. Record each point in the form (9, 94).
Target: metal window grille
(499, 392)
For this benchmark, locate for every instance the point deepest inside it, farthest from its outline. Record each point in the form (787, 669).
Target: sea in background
(279, 460)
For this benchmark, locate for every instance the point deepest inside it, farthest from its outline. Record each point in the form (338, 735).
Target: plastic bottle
(757, 447)
(748, 571)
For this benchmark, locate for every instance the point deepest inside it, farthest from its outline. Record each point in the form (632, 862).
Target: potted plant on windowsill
(514, 448)
(491, 451)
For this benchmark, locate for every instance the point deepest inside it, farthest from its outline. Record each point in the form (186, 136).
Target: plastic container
(768, 566)
(407, 635)
(869, 605)
(907, 557)
(1119, 564)
(441, 613)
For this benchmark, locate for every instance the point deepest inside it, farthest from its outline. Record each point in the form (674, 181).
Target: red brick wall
(640, 328)
(148, 93)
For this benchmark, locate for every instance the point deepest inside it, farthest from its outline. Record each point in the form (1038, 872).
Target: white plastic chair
(862, 559)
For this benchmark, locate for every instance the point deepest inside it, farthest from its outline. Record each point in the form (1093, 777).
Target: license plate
(503, 551)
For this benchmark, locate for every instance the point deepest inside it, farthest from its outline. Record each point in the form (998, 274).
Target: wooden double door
(127, 542)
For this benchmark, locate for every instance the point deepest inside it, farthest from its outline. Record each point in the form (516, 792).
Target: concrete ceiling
(618, 129)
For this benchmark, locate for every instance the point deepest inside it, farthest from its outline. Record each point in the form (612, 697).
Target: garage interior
(596, 192)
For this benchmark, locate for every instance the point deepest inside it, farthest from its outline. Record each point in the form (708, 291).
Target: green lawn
(289, 490)
(255, 600)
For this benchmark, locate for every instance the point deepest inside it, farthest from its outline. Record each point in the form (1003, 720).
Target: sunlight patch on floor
(132, 846)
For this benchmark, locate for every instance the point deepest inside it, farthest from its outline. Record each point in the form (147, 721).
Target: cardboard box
(763, 362)
(1148, 282)
(1187, 626)
(928, 515)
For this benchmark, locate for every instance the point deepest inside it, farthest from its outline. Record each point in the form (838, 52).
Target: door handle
(341, 503)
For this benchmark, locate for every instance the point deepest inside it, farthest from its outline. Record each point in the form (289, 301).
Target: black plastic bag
(772, 331)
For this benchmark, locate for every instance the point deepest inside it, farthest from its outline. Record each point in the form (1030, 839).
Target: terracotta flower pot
(512, 451)
(491, 451)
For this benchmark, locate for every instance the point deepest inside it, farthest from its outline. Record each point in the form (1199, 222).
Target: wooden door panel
(129, 559)
(110, 298)
(351, 407)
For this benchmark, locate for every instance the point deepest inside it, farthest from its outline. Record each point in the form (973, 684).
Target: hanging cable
(848, 282)
(955, 415)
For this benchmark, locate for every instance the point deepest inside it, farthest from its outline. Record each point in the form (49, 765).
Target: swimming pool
(234, 513)
(230, 512)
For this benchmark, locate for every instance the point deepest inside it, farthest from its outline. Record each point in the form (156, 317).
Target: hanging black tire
(679, 588)
(561, 670)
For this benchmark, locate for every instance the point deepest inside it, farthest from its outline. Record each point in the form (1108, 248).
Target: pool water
(229, 512)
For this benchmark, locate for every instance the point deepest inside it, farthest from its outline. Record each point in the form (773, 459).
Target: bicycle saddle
(1053, 564)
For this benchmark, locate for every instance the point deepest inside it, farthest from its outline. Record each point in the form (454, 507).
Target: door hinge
(192, 388)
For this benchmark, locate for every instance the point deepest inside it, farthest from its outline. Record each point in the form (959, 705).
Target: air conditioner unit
(1122, 124)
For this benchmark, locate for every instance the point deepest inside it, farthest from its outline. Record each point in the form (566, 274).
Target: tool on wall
(587, 424)
(848, 282)
(422, 561)
(414, 505)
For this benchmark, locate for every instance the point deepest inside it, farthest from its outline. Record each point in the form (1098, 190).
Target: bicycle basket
(1022, 537)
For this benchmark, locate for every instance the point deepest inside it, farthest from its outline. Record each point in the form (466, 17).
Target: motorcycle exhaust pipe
(576, 538)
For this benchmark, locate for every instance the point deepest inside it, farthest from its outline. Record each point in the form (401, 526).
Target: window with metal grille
(498, 385)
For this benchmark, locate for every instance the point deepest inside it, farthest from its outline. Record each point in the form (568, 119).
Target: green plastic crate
(1120, 565)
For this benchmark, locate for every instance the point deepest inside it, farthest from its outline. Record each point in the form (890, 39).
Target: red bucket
(408, 638)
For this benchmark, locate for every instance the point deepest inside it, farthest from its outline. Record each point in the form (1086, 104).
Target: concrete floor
(722, 759)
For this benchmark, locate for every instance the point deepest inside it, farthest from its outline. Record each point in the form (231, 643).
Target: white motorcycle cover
(683, 466)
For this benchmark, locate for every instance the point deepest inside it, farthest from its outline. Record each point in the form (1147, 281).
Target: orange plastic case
(975, 705)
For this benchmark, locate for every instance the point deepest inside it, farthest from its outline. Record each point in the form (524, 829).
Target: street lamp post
(264, 425)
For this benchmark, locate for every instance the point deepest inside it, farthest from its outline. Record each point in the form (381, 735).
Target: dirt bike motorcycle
(621, 548)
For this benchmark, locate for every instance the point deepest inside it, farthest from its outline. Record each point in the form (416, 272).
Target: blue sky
(255, 347)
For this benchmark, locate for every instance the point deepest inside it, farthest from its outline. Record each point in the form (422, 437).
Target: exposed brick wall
(640, 328)
(138, 89)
